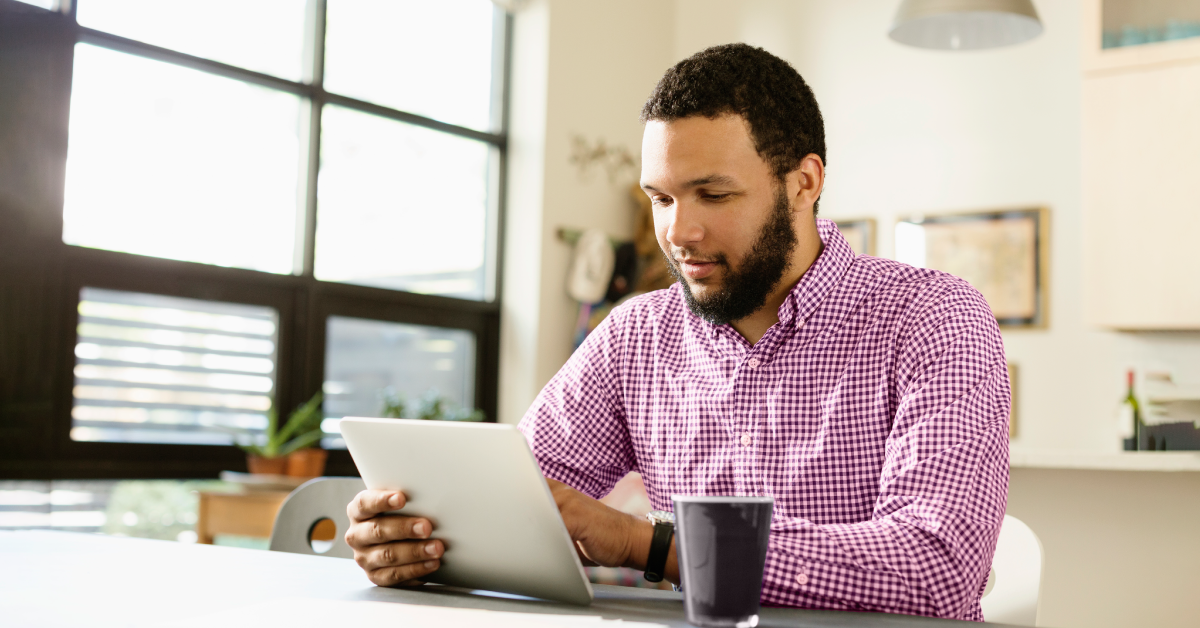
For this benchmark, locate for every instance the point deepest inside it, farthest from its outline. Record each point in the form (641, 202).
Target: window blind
(158, 369)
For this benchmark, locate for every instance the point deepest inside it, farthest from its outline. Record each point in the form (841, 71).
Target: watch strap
(660, 548)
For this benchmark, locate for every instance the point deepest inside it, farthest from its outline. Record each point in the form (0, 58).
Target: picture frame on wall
(859, 234)
(1002, 253)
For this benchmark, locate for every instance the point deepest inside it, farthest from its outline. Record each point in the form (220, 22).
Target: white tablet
(481, 487)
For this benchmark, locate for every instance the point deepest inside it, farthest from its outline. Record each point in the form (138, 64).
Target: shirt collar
(816, 283)
(820, 278)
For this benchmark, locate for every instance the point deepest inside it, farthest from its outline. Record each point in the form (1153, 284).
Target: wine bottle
(1130, 418)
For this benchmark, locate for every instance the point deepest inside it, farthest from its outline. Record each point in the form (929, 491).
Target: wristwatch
(660, 544)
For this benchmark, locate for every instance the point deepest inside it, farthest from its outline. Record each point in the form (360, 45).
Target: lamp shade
(965, 24)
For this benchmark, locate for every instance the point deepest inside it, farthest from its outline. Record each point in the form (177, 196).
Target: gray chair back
(316, 499)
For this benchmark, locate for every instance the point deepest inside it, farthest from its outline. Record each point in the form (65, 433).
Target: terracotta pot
(307, 463)
(272, 466)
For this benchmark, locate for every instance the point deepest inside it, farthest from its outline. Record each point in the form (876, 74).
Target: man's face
(722, 219)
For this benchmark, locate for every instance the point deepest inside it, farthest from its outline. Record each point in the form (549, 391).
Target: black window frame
(41, 277)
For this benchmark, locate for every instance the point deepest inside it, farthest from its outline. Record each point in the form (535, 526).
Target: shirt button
(746, 440)
(802, 579)
(752, 363)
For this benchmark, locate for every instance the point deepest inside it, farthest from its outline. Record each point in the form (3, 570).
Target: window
(160, 369)
(368, 363)
(262, 35)
(261, 199)
(49, 5)
(67, 506)
(156, 509)
(152, 167)
(372, 59)
(174, 153)
(401, 206)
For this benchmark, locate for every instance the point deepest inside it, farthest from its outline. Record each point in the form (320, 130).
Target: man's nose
(684, 228)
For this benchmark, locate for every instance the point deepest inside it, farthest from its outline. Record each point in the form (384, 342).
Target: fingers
(377, 530)
(398, 554)
(391, 549)
(400, 564)
(403, 575)
(369, 503)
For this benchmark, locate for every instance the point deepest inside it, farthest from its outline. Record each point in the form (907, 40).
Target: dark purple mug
(722, 548)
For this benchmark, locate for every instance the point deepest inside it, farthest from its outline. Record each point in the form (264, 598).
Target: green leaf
(431, 406)
(251, 448)
(394, 405)
(300, 442)
(306, 418)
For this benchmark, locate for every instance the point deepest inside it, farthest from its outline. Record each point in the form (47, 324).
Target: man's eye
(715, 197)
(661, 201)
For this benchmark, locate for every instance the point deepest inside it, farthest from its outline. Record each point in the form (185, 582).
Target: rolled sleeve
(576, 427)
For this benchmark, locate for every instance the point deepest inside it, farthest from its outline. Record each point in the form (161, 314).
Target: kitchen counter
(1118, 461)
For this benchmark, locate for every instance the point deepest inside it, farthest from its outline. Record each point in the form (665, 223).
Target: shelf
(1100, 60)
(1123, 461)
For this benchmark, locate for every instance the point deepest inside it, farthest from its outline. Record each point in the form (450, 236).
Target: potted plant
(290, 449)
(430, 407)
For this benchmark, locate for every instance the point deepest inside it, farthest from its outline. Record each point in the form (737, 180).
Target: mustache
(692, 256)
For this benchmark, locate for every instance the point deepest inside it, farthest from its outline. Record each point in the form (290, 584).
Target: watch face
(661, 516)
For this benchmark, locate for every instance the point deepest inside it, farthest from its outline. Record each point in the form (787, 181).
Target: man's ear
(806, 182)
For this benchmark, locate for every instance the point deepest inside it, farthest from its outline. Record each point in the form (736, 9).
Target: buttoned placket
(748, 411)
(749, 406)
(743, 407)
(748, 380)
(729, 342)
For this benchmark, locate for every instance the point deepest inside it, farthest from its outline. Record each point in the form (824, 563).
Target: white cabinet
(1141, 179)
(1131, 33)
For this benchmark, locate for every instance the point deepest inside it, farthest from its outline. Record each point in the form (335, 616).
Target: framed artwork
(1003, 253)
(859, 234)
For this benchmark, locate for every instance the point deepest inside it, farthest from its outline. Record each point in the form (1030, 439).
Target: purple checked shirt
(875, 413)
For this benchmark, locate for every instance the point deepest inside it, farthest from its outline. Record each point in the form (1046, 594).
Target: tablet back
(481, 487)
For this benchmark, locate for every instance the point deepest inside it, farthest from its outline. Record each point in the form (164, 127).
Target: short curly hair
(785, 121)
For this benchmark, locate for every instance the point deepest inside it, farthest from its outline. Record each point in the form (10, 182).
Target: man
(869, 398)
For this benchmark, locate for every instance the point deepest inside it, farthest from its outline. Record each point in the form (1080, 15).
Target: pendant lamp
(965, 24)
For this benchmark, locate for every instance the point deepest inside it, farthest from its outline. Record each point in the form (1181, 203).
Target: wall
(1120, 548)
(579, 68)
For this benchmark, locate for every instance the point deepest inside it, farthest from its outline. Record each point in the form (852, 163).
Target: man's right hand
(391, 548)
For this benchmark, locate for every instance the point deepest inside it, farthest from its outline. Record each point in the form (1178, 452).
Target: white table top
(67, 579)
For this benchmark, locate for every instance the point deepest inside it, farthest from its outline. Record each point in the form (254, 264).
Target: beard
(745, 288)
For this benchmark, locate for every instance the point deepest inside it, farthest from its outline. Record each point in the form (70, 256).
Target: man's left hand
(602, 535)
